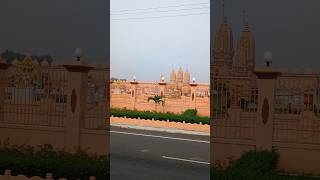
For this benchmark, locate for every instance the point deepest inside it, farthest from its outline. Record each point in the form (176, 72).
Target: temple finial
(245, 21)
(223, 8)
(245, 17)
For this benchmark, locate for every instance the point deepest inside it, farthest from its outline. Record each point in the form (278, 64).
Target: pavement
(138, 154)
(171, 130)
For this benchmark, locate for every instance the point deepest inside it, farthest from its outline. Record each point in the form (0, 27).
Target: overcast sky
(147, 47)
(154, 45)
(55, 27)
(288, 28)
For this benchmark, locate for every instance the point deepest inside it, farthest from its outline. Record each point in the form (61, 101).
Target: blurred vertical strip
(211, 77)
(108, 75)
(108, 79)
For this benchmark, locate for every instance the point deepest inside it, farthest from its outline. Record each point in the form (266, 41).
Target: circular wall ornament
(265, 111)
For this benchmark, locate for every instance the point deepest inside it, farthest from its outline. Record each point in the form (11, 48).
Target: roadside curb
(177, 127)
(176, 131)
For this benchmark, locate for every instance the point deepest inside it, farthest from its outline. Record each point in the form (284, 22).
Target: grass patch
(189, 116)
(26, 160)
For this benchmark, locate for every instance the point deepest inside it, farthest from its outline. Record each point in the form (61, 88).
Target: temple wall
(122, 97)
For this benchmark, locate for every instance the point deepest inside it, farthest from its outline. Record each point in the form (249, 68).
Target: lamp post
(79, 53)
(268, 58)
(162, 79)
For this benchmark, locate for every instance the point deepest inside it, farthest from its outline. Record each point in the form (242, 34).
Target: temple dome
(245, 56)
(173, 76)
(186, 77)
(223, 41)
(223, 49)
(180, 75)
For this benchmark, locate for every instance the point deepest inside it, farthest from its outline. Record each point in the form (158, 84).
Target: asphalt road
(149, 155)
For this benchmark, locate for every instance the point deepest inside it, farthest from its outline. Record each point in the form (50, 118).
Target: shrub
(187, 117)
(190, 112)
(251, 165)
(25, 160)
(254, 165)
(262, 162)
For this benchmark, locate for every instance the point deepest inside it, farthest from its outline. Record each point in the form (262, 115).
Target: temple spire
(223, 9)
(245, 19)
(245, 51)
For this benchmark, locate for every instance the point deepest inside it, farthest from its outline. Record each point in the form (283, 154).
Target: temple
(180, 81)
(294, 90)
(229, 61)
(179, 92)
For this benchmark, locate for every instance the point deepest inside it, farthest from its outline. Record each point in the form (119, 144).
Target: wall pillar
(133, 94)
(107, 67)
(162, 85)
(264, 126)
(211, 90)
(3, 67)
(162, 88)
(76, 103)
(193, 96)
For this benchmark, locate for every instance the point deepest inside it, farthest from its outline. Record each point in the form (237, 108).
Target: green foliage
(254, 165)
(26, 160)
(190, 112)
(117, 112)
(262, 162)
(156, 99)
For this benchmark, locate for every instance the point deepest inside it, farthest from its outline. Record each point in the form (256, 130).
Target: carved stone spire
(223, 47)
(245, 51)
(173, 76)
(186, 79)
(180, 75)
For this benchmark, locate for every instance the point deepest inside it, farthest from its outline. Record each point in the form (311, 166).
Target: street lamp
(268, 58)
(193, 80)
(79, 53)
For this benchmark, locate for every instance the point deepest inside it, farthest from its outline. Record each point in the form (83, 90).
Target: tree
(10, 56)
(157, 100)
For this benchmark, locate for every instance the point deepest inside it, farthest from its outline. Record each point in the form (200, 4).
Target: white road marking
(145, 150)
(163, 137)
(186, 160)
